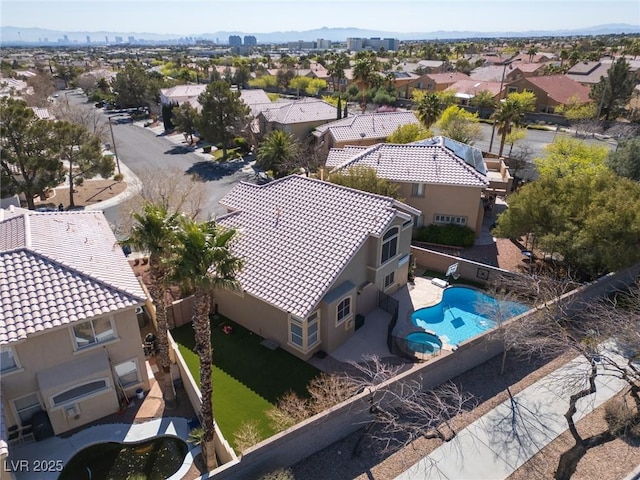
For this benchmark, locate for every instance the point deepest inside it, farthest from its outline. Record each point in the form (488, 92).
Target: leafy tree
(429, 109)
(510, 113)
(223, 114)
(409, 133)
(28, 158)
(339, 109)
(514, 136)
(612, 94)
(203, 262)
(185, 118)
(154, 232)
(299, 83)
(578, 112)
(265, 82)
(571, 157)
(283, 77)
(366, 179)
(278, 152)
(242, 76)
(134, 87)
(458, 124)
(483, 100)
(66, 73)
(83, 153)
(625, 160)
(315, 86)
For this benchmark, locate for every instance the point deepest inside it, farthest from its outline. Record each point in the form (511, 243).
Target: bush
(118, 177)
(219, 146)
(455, 235)
(241, 143)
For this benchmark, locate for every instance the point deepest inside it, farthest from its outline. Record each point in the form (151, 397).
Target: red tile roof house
(551, 91)
(316, 254)
(70, 342)
(440, 177)
(362, 129)
(299, 118)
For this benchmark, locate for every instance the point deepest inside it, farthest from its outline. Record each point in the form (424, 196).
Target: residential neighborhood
(362, 256)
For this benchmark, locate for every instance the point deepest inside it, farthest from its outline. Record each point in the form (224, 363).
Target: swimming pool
(464, 313)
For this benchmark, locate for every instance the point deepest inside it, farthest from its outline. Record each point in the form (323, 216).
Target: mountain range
(10, 35)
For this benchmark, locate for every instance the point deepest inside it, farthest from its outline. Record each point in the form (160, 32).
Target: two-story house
(316, 254)
(70, 345)
(298, 118)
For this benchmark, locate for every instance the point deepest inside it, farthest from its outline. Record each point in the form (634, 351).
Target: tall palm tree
(154, 232)
(202, 263)
(363, 75)
(429, 109)
(278, 152)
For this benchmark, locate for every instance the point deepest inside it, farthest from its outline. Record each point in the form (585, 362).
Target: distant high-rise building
(106, 39)
(118, 39)
(250, 40)
(376, 43)
(131, 39)
(235, 40)
(66, 38)
(88, 39)
(323, 44)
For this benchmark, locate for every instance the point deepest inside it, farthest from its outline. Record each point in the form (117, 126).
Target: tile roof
(431, 161)
(183, 91)
(297, 234)
(370, 125)
(588, 72)
(472, 87)
(561, 88)
(449, 77)
(57, 268)
(489, 73)
(300, 111)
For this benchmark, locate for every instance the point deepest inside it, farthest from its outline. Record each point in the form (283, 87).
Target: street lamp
(504, 71)
(115, 150)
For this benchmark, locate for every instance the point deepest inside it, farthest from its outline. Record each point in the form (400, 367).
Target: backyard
(248, 378)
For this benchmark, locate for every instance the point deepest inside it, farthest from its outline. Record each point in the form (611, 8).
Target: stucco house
(316, 255)
(70, 342)
(299, 118)
(551, 91)
(443, 179)
(189, 93)
(361, 129)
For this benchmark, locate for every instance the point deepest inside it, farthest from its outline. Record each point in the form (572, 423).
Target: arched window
(389, 244)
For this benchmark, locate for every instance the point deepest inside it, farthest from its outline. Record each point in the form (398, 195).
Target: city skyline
(186, 18)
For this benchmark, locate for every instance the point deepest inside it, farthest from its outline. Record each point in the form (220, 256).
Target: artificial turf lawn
(248, 378)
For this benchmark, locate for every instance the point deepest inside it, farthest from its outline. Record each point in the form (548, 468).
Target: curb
(134, 185)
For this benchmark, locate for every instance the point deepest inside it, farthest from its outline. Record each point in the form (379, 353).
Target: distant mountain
(22, 35)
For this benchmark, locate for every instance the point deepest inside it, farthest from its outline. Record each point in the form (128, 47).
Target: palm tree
(510, 112)
(429, 109)
(278, 152)
(154, 232)
(203, 262)
(362, 75)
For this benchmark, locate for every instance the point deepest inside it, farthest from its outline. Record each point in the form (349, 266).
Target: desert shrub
(241, 143)
(247, 435)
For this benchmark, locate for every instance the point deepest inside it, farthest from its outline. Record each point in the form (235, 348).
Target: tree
(134, 87)
(483, 100)
(429, 109)
(409, 133)
(43, 87)
(571, 157)
(625, 160)
(154, 232)
(578, 113)
(363, 76)
(28, 157)
(514, 136)
(223, 114)
(66, 73)
(510, 112)
(612, 93)
(203, 262)
(316, 85)
(299, 83)
(278, 152)
(185, 119)
(83, 153)
(366, 179)
(336, 70)
(86, 116)
(458, 124)
(339, 109)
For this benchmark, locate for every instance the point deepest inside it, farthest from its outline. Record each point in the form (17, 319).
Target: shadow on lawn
(269, 373)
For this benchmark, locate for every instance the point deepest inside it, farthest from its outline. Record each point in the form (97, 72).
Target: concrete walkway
(500, 442)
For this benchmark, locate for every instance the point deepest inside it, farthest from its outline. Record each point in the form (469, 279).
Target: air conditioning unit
(72, 411)
(348, 325)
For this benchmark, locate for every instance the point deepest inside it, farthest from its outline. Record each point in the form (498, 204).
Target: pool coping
(56, 449)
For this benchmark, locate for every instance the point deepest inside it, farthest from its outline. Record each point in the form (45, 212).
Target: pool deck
(57, 449)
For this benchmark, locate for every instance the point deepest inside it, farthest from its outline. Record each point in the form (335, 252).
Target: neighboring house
(494, 73)
(551, 91)
(520, 70)
(297, 118)
(70, 342)
(10, 87)
(316, 255)
(362, 129)
(588, 73)
(189, 93)
(43, 113)
(437, 82)
(442, 178)
(465, 90)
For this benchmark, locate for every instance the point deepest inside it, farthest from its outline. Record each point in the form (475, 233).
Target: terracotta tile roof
(370, 125)
(561, 88)
(430, 161)
(472, 87)
(297, 234)
(449, 77)
(300, 111)
(57, 268)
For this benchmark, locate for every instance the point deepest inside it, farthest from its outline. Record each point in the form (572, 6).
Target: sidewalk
(500, 442)
(134, 185)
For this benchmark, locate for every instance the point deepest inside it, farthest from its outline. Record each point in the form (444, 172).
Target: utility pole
(115, 150)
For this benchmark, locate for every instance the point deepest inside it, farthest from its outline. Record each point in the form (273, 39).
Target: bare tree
(42, 86)
(85, 115)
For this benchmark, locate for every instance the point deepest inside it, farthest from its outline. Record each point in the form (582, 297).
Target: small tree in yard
(185, 118)
(409, 133)
(366, 179)
(458, 124)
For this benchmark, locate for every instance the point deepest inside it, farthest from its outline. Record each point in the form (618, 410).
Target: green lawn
(248, 378)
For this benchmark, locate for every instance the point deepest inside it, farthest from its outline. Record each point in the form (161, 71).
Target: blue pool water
(464, 313)
(423, 342)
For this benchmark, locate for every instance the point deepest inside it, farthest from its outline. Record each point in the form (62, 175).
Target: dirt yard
(92, 191)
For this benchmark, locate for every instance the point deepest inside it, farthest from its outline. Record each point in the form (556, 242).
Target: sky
(202, 16)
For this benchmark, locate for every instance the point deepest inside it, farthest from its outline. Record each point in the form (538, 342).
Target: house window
(389, 279)
(304, 334)
(511, 90)
(127, 373)
(418, 221)
(445, 219)
(8, 360)
(79, 392)
(92, 332)
(417, 190)
(389, 245)
(26, 407)
(343, 310)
